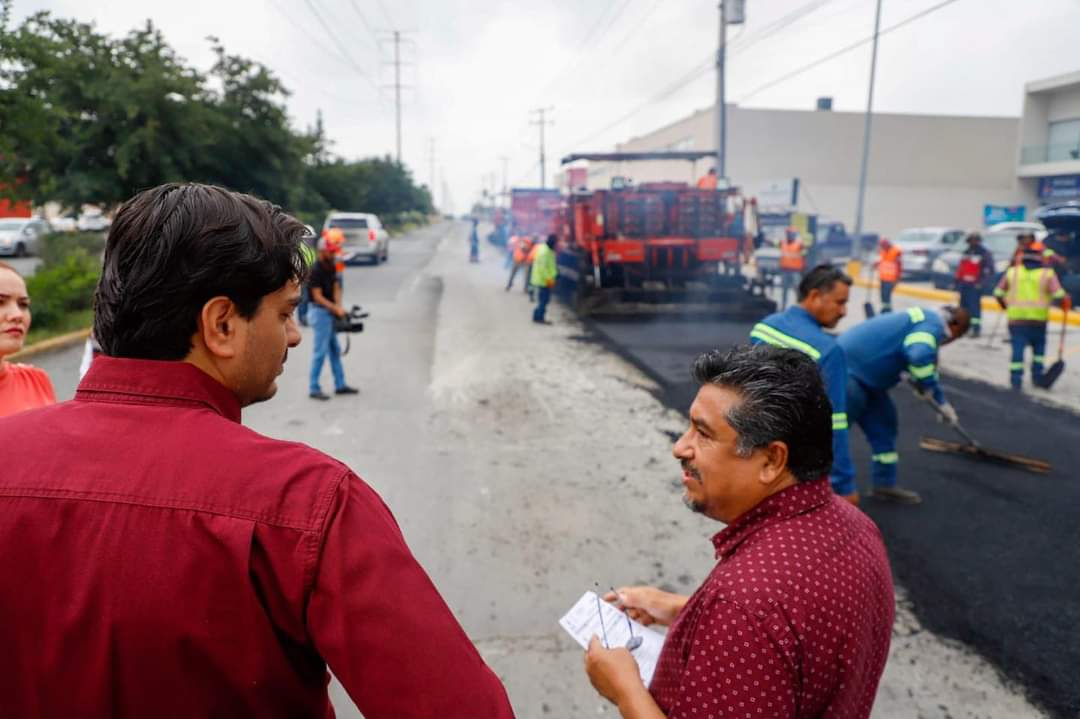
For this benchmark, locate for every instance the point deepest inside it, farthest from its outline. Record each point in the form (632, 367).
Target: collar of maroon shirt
(800, 498)
(155, 380)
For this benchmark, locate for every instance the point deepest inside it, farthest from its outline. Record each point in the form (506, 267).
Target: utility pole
(736, 15)
(431, 164)
(397, 89)
(505, 165)
(866, 132)
(542, 122)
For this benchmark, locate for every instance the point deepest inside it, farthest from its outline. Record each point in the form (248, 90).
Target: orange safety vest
(521, 250)
(889, 264)
(708, 182)
(791, 255)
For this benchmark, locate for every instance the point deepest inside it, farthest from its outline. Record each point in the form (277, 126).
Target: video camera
(351, 322)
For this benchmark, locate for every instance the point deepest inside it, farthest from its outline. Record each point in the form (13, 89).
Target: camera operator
(326, 306)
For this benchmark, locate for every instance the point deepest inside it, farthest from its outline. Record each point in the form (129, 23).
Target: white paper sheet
(583, 621)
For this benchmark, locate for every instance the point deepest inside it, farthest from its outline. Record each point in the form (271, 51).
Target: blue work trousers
(789, 280)
(886, 296)
(1020, 336)
(543, 297)
(325, 345)
(873, 410)
(305, 304)
(971, 300)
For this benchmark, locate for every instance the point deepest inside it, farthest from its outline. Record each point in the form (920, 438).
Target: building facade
(1048, 162)
(924, 170)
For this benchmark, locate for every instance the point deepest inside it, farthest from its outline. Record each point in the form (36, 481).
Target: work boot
(896, 494)
(320, 395)
(346, 390)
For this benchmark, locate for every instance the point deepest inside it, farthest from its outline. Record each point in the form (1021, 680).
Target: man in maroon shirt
(160, 559)
(795, 619)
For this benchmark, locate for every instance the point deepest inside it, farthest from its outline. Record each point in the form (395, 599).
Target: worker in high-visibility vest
(823, 297)
(1026, 242)
(792, 263)
(889, 269)
(708, 180)
(1026, 291)
(542, 276)
(521, 246)
(878, 352)
(973, 276)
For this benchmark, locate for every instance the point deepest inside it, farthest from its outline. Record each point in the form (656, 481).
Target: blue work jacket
(880, 349)
(796, 328)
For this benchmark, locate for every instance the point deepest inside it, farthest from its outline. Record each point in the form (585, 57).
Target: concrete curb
(53, 343)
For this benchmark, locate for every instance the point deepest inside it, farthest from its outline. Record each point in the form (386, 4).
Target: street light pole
(859, 206)
(721, 110)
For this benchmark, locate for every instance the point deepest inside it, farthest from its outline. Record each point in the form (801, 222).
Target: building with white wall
(924, 169)
(1048, 161)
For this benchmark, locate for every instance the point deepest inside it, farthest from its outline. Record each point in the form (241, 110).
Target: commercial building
(1049, 155)
(925, 170)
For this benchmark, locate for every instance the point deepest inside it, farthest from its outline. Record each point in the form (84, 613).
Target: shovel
(868, 306)
(1050, 376)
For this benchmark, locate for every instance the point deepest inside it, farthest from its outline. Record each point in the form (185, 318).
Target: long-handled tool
(1050, 376)
(971, 448)
(993, 333)
(868, 306)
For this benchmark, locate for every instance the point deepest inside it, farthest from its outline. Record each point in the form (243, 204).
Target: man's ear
(776, 457)
(219, 323)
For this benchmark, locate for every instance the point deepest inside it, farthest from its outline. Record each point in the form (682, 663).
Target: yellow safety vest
(1029, 292)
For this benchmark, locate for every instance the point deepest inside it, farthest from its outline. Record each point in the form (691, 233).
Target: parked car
(21, 236)
(64, 223)
(922, 245)
(1062, 221)
(365, 237)
(92, 222)
(1002, 245)
(1037, 227)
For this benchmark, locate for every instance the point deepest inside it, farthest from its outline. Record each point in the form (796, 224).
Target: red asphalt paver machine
(658, 247)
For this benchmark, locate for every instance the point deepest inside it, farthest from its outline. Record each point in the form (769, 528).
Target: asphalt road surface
(992, 556)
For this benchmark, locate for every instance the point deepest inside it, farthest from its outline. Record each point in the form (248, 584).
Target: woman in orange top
(21, 386)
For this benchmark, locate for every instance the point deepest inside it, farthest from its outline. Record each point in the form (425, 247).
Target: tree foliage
(88, 118)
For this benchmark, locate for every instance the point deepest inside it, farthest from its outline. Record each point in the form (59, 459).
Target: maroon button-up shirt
(157, 558)
(794, 621)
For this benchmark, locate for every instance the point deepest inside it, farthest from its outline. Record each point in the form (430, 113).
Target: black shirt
(323, 276)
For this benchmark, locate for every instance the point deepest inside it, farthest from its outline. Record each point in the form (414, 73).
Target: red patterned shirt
(794, 620)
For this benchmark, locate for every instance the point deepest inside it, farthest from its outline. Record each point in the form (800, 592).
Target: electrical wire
(386, 14)
(843, 51)
(341, 48)
(364, 20)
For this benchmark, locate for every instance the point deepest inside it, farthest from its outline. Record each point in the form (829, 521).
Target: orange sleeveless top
(23, 387)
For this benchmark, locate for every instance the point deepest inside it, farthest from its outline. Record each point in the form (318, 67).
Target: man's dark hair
(821, 278)
(552, 240)
(783, 399)
(174, 247)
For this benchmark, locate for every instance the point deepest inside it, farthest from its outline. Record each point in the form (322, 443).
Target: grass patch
(78, 320)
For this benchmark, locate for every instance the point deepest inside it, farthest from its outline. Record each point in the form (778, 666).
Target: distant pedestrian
(522, 247)
(1026, 291)
(542, 277)
(326, 307)
(161, 559)
(474, 243)
(792, 263)
(794, 620)
(889, 270)
(22, 386)
(975, 271)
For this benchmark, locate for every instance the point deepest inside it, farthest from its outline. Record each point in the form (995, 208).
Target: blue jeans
(789, 280)
(325, 345)
(305, 303)
(886, 296)
(873, 410)
(1020, 336)
(544, 295)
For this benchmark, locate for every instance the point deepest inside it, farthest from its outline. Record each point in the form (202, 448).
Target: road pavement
(527, 464)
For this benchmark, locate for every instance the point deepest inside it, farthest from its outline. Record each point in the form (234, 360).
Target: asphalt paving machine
(657, 247)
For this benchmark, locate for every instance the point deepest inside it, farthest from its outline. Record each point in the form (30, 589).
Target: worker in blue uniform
(822, 296)
(879, 351)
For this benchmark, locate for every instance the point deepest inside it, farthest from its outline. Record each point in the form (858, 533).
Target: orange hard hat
(332, 240)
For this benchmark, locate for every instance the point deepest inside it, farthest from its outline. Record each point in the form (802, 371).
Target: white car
(365, 237)
(1036, 227)
(922, 245)
(22, 236)
(64, 223)
(95, 222)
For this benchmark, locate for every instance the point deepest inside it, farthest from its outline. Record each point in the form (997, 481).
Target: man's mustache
(690, 469)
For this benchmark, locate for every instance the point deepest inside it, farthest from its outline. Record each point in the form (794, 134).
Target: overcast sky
(476, 67)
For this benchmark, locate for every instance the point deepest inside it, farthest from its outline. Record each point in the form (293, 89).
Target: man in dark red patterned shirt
(795, 619)
(162, 560)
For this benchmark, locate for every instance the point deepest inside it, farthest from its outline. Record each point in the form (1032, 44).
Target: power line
(386, 14)
(843, 51)
(341, 49)
(364, 20)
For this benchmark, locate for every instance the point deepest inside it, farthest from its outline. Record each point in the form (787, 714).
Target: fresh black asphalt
(992, 556)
